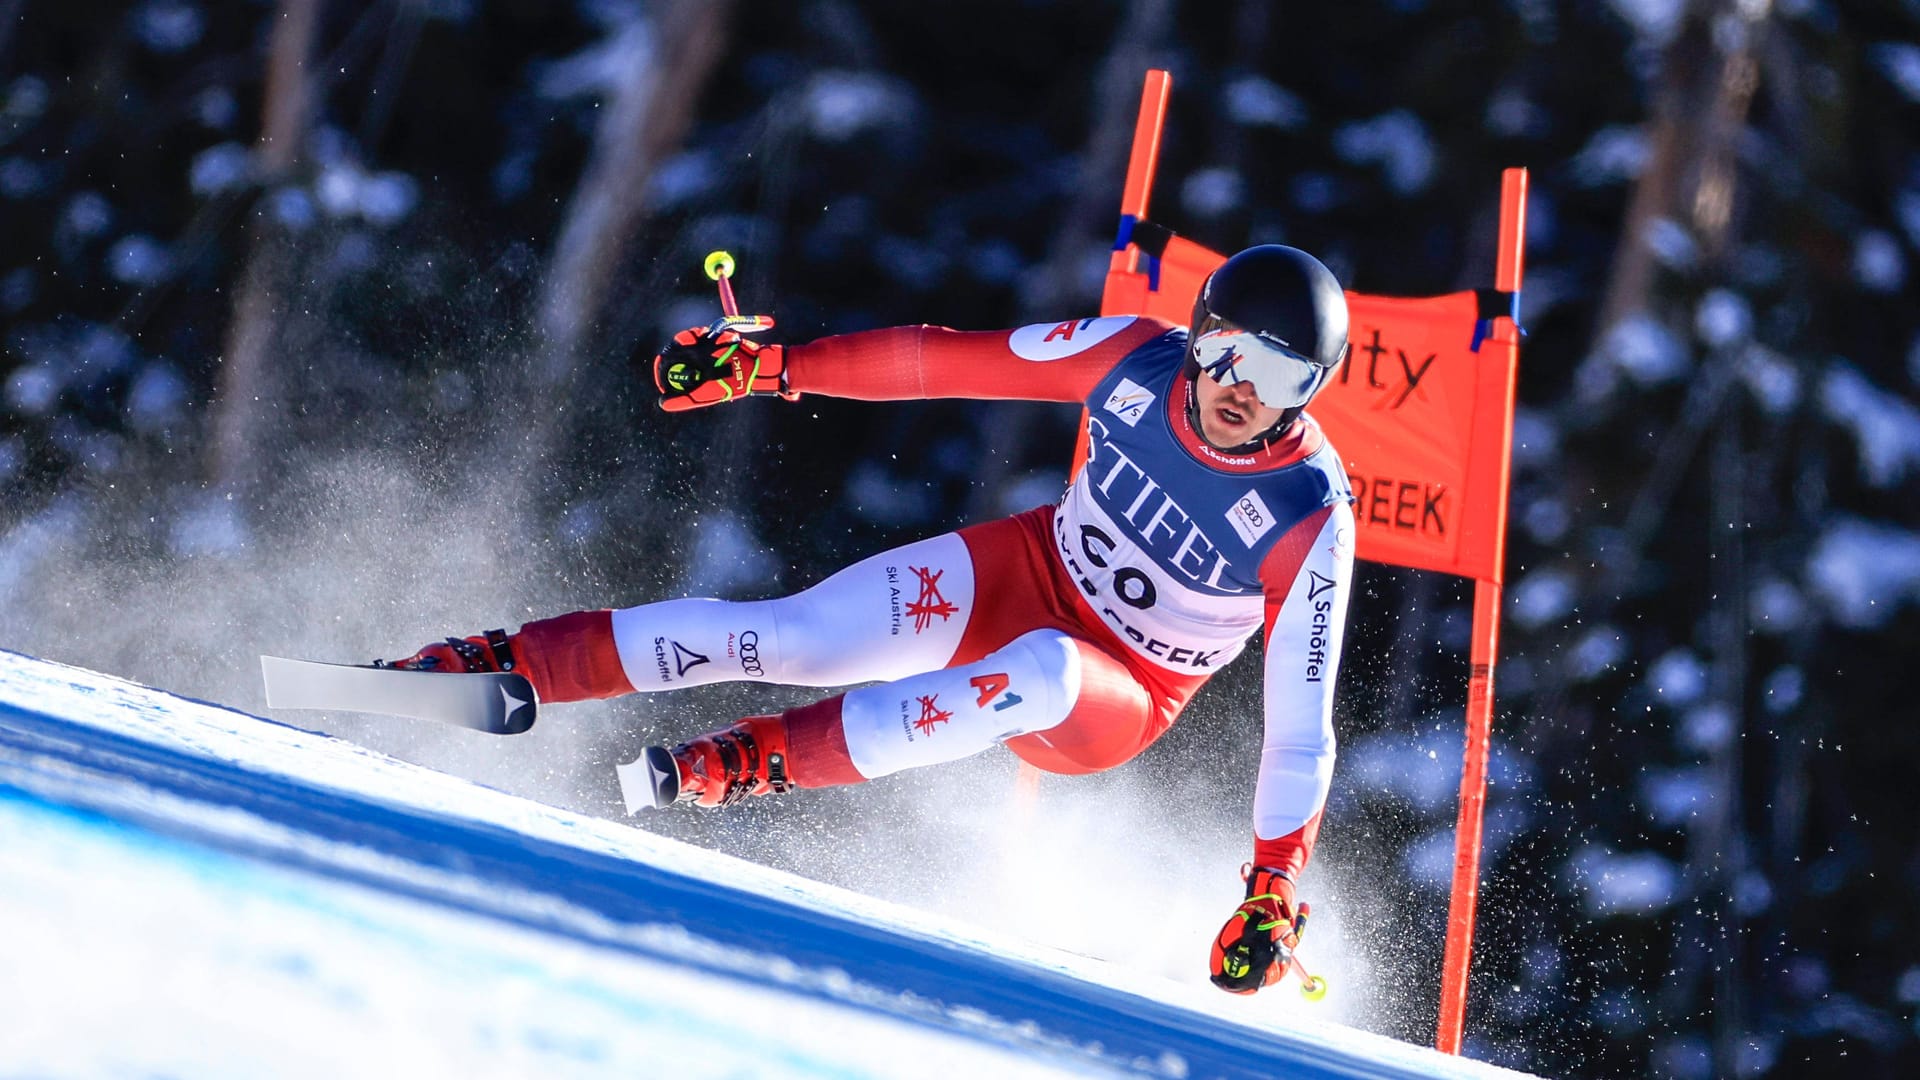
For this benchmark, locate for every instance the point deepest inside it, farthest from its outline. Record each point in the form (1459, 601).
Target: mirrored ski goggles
(1280, 376)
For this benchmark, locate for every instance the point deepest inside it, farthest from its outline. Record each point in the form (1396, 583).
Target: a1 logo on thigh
(994, 690)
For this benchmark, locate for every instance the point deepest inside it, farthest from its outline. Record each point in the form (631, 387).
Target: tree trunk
(666, 61)
(1699, 111)
(245, 393)
(1710, 75)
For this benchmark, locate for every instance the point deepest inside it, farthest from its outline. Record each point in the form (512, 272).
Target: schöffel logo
(685, 658)
(750, 654)
(1320, 632)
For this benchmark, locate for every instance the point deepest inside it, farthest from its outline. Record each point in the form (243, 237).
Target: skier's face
(1231, 416)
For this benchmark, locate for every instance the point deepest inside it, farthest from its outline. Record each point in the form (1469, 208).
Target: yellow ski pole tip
(719, 265)
(1314, 988)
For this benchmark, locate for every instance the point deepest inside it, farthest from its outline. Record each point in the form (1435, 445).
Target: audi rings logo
(750, 654)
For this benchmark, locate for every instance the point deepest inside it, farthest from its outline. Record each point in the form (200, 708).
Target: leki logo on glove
(931, 715)
(930, 603)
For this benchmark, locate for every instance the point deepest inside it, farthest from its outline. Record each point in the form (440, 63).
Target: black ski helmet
(1287, 299)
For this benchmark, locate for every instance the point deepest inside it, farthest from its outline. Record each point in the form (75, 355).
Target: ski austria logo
(1250, 517)
(1042, 342)
(1129, 401)
(931, 715)
(930, 603)
(930, 718)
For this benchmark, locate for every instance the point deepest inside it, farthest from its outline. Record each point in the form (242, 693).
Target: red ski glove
(1255, 947)
(707, 365)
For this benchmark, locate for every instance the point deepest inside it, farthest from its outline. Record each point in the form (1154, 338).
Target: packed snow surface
(190, 890)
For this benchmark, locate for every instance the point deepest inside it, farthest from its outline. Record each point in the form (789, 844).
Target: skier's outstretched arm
(1307, 578)
(1043, 362)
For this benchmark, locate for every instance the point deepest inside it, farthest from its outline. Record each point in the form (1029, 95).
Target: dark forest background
(321, 323)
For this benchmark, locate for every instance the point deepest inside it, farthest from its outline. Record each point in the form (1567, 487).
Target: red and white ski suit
(1072, 634)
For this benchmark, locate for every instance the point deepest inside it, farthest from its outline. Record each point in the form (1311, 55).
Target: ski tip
(280, 678)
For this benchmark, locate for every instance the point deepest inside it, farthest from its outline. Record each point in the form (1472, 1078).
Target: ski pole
(1312, 987)
(719, 267)
(720, 270)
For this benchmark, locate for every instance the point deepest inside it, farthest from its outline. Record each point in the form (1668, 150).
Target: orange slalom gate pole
(1141, 163)
(1144, 160)
(1457, 963)
(1467, 833)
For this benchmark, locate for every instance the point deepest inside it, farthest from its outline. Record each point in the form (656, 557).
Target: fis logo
(1129, 401)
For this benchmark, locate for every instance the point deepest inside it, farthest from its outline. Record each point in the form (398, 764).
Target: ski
(650, 780)
(498, 703)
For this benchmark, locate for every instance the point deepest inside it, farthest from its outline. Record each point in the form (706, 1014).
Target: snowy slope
(189, 890)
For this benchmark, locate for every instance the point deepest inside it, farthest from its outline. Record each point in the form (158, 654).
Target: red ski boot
(722, 767)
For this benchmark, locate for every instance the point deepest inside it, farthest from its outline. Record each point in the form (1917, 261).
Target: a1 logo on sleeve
(1057, 341)
(1129, 401)
(1250, 517)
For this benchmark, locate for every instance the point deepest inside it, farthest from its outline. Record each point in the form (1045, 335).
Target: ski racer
(1210, 506)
